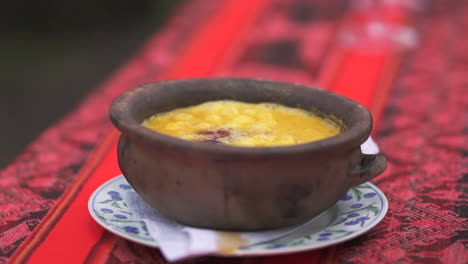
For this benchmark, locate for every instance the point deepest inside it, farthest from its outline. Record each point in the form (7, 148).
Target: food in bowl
(227, 187)
(243, 124)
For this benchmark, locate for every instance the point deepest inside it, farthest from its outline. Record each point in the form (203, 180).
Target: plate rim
(298, 249)
(152, 243)
(240, 252)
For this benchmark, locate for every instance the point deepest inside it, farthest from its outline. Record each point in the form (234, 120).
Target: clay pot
(240, 188)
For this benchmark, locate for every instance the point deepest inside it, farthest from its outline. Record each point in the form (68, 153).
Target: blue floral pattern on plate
(108, 207)
(362, 208)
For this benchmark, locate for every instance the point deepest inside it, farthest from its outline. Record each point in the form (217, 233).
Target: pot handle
(370, 167)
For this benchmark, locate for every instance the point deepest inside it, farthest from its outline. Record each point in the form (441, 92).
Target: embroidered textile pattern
(423, 133)
(423, 130)
(36, 179)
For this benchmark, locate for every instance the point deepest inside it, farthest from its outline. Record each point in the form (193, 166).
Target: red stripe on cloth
(359, 75)
(100, 251)
(365, 77)
(55, 214)
(74, 235)
(383, 89)
(208, 49)
(76, 232)
(64, 242)
(331, 68)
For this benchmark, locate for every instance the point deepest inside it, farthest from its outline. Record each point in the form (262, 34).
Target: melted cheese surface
(243, 124)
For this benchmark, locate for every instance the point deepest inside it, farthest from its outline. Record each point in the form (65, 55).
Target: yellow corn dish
(243, 124)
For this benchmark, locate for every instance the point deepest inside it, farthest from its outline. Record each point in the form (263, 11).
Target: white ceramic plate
(357, 212)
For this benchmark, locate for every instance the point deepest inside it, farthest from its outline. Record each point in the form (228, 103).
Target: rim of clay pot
(123, 116)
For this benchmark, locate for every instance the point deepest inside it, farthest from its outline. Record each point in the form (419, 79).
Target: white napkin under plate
(177, 241)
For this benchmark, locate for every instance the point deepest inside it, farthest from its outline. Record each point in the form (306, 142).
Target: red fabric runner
(421, 128)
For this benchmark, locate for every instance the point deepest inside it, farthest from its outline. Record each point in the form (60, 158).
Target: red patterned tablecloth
(405, 60)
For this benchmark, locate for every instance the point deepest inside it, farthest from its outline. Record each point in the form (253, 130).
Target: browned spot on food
(215, 134)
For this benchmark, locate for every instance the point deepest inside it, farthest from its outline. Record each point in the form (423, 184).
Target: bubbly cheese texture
(243, 124)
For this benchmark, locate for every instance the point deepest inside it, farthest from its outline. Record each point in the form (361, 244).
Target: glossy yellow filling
(243, 124)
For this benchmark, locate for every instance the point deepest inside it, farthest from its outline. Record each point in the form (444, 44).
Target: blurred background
(53, 52)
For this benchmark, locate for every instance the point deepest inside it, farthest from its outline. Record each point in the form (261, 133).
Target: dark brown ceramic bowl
(240, 188)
